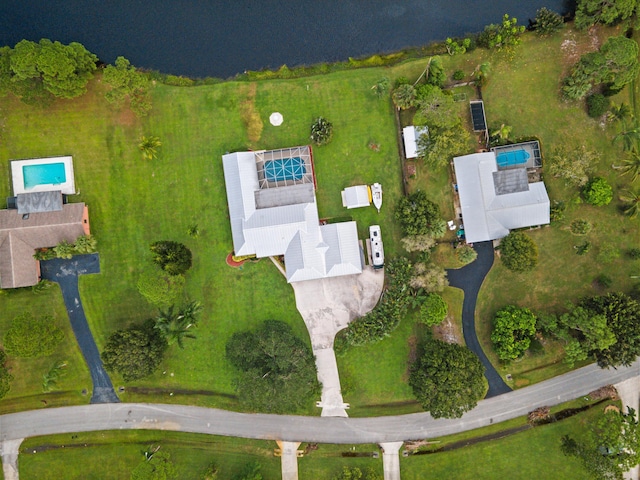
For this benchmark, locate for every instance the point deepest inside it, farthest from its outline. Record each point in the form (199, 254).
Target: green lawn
(133, 203)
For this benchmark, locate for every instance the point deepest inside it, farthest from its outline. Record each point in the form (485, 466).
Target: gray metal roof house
(494, 201)
(273, 211)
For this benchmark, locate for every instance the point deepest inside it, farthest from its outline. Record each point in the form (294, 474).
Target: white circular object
(276, 119)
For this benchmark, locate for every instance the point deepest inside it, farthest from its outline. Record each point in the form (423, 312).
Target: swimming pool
(284, 169)
(513, 158)
(44, 174)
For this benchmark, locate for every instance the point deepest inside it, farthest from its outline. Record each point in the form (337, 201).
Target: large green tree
(277, 370)
(418, 215)
(441, 144)
(615, 64)
(623, 318)
(447, 379)
(436, 107)
(127, 84)
(513, 329)
(134, 352)
(37, 72)
(611, 446)
(605, 12)
(29, 336)
(502, 36)
(518, 252)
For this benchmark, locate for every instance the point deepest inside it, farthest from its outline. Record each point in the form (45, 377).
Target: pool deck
(67, 188)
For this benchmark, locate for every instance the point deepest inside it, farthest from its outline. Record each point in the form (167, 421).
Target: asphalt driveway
(65, 273)
(469, 279)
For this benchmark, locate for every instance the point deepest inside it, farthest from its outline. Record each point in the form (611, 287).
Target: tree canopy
(419, 216)
(513, 329)
(134, 352)
(277, 369)
(5, 376)
(605, 12)
(518, 252)
(610, 447)
(623, 318)
(615, 64)
(500, 36)
(127, 85)
(447, 379)
(37, 72)
(29, 336)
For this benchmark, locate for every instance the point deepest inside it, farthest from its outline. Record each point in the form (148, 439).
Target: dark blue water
(222, 38)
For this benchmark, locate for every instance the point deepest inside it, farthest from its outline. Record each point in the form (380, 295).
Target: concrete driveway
(65, 273)
(327, 306)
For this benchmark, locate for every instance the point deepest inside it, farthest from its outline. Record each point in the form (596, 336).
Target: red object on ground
(232, 263)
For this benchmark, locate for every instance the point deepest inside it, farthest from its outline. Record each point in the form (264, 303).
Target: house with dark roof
(36, 220)
(273, 212)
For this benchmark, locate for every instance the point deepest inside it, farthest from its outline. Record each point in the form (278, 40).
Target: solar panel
(477, 116)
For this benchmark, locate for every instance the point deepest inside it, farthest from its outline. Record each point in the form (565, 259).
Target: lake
(221, 38)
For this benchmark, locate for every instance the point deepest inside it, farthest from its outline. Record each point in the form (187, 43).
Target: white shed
(356, 197)
(410, 135)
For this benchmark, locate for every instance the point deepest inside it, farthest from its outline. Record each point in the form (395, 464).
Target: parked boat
(376, 194)
(377, 249)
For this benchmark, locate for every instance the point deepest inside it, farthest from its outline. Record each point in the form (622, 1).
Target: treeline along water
(223, 37)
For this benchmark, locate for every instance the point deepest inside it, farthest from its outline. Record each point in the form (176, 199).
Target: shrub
(466, 254)
(583, 248)
(580, 227)
(433, 310)
(597, 192)
(634, 253)
(547, 22)
(32, 337)
(597, 105)
(458, 75)
(604, 280)
(321, 131)
(518, 252)
(608, 253)
(5, 376)
(160, 289)
(173, 257)
(556, 212)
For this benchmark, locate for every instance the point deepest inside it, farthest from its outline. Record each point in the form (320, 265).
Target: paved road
(469, 278)
(65, 273)
(124, 416)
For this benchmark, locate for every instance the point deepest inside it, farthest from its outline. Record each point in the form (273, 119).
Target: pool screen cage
(532, 148)
(274, 169)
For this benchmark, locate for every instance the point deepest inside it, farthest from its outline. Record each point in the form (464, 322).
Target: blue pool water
(510, 159)
(44, 174)
(284, 169)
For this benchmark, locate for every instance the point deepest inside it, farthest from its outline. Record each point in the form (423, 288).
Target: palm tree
(630, 136)
(149, 147)
(631, 165)
(503, 132)
(631, 201)
(619, 112)
(175, 326)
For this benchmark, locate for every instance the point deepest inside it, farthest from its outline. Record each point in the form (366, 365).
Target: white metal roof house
(494, 201)
(273, 211)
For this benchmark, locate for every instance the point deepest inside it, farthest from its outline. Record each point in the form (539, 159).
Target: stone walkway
(65, 273)
(327, 306)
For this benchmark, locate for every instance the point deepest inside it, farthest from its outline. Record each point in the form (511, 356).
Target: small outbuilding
(410, 135)
(356, 197)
